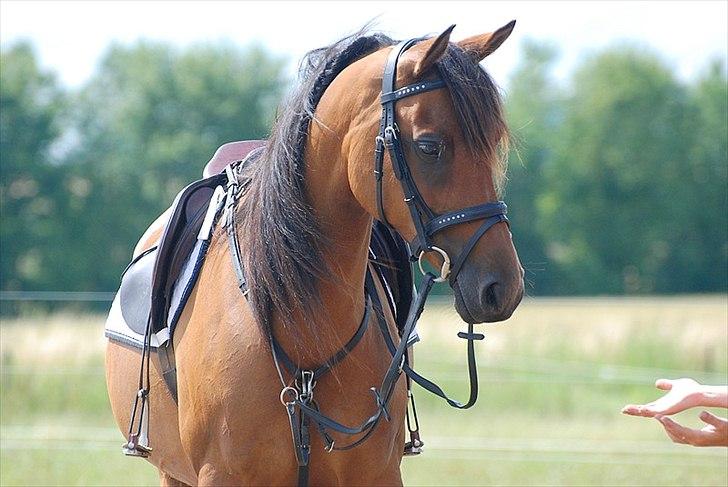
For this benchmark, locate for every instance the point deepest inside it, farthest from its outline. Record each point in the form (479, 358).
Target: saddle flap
(135, 293)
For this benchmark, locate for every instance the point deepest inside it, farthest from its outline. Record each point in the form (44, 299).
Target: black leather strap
(232, 233)
(412, 89)
(378, 175)
(383, 395)
(388, 132)
(423, 382)
(472, 374)
(462, 257)
(485, 210)
(294, 370)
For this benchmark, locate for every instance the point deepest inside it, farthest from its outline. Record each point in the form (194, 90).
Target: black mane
(282, 239)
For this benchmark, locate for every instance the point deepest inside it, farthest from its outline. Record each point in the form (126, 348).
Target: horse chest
(231, 415)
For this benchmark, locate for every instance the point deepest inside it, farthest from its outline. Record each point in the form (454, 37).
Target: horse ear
(482, 45)
(435, 49)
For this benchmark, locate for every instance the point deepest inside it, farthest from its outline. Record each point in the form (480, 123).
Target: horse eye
(430, 148)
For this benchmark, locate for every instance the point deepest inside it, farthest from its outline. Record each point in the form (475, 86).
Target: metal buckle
(444, 269)
(390, 134)
(413, 447)
(307, 384)
(232, 175)
(401, 364)
(287, 390)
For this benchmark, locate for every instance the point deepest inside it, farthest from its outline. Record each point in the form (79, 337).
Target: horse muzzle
(492, 298)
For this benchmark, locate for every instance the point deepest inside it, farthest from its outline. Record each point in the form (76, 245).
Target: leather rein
(297, 394)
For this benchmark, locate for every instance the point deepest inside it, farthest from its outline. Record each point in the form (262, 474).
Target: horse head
(452, 137)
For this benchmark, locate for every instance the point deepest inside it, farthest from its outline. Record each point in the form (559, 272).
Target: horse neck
(347, 228)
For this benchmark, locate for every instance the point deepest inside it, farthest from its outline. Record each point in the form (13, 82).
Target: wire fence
(500, 368)
(55, 296)
(502, 372)
(546, 450)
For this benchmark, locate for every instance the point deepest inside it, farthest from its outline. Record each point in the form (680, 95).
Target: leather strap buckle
(390, 135)
(232, 175)
(307, 384)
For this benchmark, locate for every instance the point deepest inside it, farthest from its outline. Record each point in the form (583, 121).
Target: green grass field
(553, 380)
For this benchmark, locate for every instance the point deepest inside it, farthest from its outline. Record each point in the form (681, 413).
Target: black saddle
(147, 284)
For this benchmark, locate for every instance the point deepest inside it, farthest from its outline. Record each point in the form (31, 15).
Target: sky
(71, 36)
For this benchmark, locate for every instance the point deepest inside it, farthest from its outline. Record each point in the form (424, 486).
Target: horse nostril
(491, 299)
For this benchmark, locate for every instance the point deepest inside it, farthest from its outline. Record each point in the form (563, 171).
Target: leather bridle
(297, 393)
(426, 222)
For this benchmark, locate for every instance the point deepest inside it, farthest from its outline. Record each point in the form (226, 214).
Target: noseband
(426, 222)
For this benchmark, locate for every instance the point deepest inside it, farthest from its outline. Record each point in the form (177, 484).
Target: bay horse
(304, 227)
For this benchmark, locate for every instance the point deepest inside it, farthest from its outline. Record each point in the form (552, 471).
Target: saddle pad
(127, 320)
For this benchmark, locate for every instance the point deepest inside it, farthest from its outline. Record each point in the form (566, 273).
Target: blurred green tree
(617, 184)
(136, 134)
(534, 110)
(620, 200)
(31, 200)
(147, 122)
(699, 256)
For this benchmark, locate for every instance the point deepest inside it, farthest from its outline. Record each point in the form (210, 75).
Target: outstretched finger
(638, 410)
(677, 432)
(680, 434)
(663, 384)
(712, 419)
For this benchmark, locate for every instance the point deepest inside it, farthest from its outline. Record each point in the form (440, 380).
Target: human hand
(683, 394)
(714, 434)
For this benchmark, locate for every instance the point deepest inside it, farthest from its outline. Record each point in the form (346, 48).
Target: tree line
(617, 178)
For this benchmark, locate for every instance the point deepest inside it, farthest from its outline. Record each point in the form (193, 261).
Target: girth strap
(168, 365)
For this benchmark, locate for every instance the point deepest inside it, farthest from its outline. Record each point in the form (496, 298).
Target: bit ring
(444, 268)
